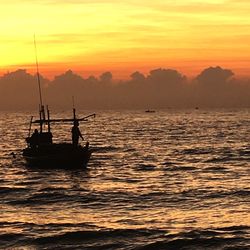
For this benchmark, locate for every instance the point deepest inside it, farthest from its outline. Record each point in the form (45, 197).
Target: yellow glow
(123, 36)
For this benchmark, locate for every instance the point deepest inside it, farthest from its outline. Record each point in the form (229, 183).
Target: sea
(169, 179)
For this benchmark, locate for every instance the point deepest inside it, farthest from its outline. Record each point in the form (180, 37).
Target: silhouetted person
(34, 139)
(76, 133)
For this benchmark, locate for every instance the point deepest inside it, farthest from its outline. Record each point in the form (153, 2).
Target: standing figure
(76, 133)
(34, 140)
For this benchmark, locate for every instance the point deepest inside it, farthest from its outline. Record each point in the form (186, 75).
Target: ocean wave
(215, 169)
(97, 239)
(10, 190)
(104, 149)
(213, 194)
(218, 159)
(11, 240)
(145, 167)
(170, 167)
(197, 151)
(236, 237)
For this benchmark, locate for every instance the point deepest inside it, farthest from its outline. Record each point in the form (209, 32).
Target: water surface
(174, 179)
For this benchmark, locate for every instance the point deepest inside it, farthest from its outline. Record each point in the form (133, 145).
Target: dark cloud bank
(214, 87)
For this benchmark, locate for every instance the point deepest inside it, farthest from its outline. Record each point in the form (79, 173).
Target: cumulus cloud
(214, 76)
(19, 89)
(165, 76)
(106, 77)
(161, 88)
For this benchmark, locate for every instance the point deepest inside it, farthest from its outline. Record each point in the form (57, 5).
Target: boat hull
(57, 156)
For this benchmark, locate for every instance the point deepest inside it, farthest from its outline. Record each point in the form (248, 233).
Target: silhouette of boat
(150, 111)
(41, 151)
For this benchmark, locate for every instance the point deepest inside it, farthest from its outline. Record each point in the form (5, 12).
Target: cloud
(137, 77)
(106, 77)
(214, 76)
(160, 88)
(19, 89)
(165, 76)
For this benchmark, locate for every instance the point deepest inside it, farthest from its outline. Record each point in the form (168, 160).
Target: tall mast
(38, 75)
(41, 107)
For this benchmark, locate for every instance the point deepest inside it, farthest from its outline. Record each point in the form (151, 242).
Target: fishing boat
(42, 151)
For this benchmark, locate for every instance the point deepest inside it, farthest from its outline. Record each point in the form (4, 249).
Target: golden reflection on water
(164, 172)
(174, 219)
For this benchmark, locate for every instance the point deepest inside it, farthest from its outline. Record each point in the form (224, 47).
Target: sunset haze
(91, 37)
(124, 124)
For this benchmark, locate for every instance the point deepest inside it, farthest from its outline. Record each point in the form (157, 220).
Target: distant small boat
(150, 111)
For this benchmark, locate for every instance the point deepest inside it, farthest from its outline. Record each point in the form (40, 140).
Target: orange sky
(93, 36)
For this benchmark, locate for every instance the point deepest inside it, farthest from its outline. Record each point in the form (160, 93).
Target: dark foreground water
(164, 180)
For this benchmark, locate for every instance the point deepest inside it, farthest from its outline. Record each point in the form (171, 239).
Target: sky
(94, 36)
